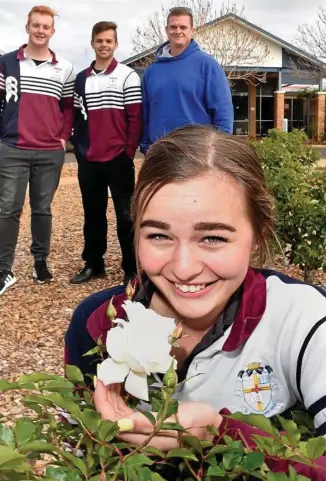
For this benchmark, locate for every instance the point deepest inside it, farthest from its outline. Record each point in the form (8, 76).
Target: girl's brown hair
(193, 151)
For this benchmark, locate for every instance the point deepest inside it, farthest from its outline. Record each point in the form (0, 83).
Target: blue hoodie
(190, 88)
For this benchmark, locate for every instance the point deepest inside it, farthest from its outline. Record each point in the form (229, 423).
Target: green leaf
(257, 420)
(193, 442)
(181, 453)
(231, 459)
(70, 406)
(276, 477)
(157, 477)
(295, 477)
(24, 430)
(253, 461)
(107, 431)
(7, 436)
(155, 451)
(7, 386)
(172, 408)
(36, 377)
(91, 352)
(61, 474)
(212, 430)
(218, 449)
(58, 385)
(103, 453)
(316, 447)
(77, 462)
(39, 447)
(173, 427)
(74, 374)
(149, 416)
(138, 460)
(215, 471)
(91, 420)
(291, 430)
(144, 474)
(9, 455)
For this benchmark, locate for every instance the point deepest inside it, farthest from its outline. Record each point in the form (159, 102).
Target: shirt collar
(111, 67)
(21, 54)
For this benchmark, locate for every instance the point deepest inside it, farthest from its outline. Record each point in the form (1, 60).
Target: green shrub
(104, 457)
(300, 201)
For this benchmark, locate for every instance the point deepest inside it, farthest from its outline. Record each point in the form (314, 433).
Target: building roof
(231, 16)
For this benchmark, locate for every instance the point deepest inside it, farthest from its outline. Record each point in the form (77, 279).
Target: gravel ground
(34, 318)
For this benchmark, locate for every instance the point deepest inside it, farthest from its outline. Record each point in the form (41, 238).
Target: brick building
(265, 94)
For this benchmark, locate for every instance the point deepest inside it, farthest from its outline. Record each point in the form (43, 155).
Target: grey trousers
(42, 170)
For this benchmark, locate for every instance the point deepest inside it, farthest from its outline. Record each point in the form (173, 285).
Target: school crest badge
(257, 390)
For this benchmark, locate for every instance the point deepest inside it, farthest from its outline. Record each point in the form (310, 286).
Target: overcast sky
(280, 17)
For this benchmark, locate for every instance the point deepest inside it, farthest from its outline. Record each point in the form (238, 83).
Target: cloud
(73, 26)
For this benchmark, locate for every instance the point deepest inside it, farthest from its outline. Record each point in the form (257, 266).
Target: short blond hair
(43, 10)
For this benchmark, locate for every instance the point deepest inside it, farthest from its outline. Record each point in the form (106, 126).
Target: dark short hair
(178, 11)
(100, 27)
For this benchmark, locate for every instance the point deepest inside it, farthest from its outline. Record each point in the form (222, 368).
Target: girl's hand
(194, 417)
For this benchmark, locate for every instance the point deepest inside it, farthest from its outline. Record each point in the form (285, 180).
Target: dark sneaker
(41, 272)
(86, 274)
(7, 279)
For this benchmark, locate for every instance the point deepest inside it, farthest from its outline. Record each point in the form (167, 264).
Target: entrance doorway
(240, 101)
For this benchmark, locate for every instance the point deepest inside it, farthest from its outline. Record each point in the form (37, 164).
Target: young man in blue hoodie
(184, 85)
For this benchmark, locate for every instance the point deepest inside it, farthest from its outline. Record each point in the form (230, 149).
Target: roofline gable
(261, 31)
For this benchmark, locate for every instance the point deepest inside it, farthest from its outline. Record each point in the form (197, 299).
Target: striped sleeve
(76, 101)
(67, 103)
(132, 104)
(69, 85)
(2, 81)
(2, 90)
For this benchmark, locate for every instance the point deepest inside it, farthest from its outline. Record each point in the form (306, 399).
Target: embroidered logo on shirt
(82, 107)
(112, 83)
(258, 390)
(11, 88)
(56, 74)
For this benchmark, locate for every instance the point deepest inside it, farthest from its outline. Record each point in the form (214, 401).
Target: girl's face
(195, 244)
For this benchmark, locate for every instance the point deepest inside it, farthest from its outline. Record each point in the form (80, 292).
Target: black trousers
(94, 179)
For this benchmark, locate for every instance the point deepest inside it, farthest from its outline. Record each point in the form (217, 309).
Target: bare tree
(240, 51)
(232, 44)
(303, 70)
(312, 38)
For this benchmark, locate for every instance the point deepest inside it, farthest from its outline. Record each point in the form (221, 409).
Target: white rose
(137, 348)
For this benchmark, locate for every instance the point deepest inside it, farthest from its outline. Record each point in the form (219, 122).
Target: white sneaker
(7, 279)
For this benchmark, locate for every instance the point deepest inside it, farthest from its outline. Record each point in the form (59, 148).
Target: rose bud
(111, 311)
(130, 291)
(170, 378)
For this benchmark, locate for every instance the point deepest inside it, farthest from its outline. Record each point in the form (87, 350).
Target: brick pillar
(320, 115)
(278, 109)
(252, 111)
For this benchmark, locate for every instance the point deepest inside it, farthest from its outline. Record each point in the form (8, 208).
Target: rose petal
(117, 344)
(135, 310)
(111, 372)
(136, 385)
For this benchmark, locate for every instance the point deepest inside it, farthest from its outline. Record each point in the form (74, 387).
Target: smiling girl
(202, 212)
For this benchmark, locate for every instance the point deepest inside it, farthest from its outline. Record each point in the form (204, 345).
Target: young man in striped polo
(36, 91)
(107, 132)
